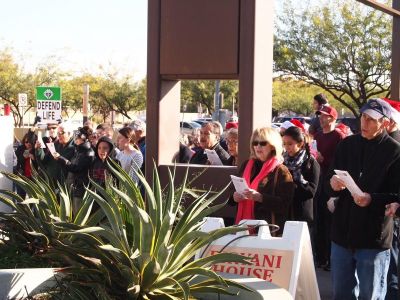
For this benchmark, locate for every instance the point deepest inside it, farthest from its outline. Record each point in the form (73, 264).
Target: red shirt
(27, 167)
(326, 145)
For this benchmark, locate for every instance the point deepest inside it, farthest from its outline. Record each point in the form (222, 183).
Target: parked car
(353, 123)
(188, 127)
(288, 118)
(201, 121)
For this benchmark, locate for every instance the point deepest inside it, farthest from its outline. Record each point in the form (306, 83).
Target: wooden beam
(395, 79)
(382, 7)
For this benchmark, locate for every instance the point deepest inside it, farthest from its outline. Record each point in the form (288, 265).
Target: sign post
(48, 100)
(22, 103)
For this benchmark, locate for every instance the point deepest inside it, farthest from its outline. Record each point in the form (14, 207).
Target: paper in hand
(40, 139)
(240, 184)
(213, 157)
(349, 182)
(51, 148)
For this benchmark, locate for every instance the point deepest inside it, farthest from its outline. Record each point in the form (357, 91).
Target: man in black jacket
(209, 139)
(78, 166)
(361, 233)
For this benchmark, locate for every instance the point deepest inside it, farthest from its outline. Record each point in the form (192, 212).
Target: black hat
(83, 132)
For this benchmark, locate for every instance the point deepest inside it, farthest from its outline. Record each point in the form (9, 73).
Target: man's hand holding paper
(213, 157)
(348, 181)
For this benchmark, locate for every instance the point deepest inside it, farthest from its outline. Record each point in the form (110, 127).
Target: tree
(202, 91)
(344, 48)
(119, 95)
(14, 80)
(296, 96)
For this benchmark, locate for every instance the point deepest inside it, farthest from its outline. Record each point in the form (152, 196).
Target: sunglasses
(261, 143)
(52, 128)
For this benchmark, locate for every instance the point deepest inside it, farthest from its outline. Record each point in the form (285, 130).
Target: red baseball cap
(329, 111)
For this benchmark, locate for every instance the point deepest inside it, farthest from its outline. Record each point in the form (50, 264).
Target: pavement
(324, 284)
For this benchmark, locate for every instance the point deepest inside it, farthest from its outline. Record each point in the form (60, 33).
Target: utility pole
(85, 103)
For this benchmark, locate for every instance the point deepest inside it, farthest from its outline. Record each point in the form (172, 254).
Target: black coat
(375, 167)
(99, 169)
(78, 168)
(200, 157)
(304, 192)
(19, 153)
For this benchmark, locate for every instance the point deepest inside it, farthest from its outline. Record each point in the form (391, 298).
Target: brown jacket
(277, 199)
(277, 202)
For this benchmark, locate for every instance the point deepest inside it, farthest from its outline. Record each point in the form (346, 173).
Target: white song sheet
(240, 184)
(213, 157)
(51, 147)
(349, 182)
(40, 139)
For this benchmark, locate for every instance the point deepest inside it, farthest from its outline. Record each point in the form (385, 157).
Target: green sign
(48, 93)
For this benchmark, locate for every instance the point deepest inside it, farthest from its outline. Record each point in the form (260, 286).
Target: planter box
(19, 283)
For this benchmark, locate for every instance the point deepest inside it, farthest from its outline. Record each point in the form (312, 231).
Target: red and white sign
(278, 260)
(268, 264)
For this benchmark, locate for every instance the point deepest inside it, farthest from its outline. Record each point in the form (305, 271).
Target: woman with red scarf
(271, 187)
(25, 154)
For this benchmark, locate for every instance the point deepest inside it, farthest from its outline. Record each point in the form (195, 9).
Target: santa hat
(230, 125)
(297, 123)
(395, 112)
(287, 124)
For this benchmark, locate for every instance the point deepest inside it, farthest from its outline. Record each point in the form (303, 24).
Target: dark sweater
(54, 170)
(200, 157)
(375, 167)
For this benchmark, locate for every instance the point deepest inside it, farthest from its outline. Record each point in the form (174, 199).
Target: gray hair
(138, 125)
(215, 127)
(67, 127)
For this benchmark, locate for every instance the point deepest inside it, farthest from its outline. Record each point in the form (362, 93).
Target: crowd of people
(290, 173)
(291, 176)
(70, 156)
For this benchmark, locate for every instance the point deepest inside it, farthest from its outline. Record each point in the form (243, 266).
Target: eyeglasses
(261, 143)
(52, 128)
(231, 141)
(60, 132)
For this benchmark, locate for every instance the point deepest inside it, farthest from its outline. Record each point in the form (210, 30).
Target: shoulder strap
(275, 180)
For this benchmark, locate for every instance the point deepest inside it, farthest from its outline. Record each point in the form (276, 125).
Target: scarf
(246, 207)
(294, 164)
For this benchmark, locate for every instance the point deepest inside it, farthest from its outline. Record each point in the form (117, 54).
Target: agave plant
(34, 220)
(143, 249)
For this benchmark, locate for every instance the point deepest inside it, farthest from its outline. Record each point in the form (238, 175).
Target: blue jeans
(359, 274)
(392, 276)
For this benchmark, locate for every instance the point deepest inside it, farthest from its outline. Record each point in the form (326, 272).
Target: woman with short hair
(232, 140)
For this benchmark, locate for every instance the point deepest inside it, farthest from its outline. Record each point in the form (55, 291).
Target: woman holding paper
(25, 154)
(271, 187)
(305, 172)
